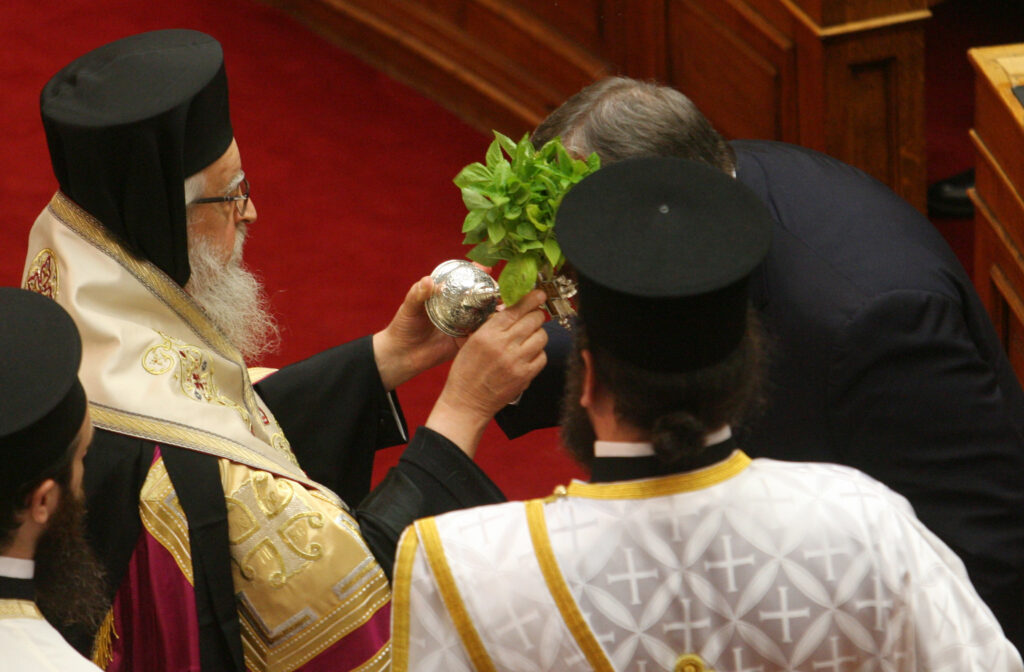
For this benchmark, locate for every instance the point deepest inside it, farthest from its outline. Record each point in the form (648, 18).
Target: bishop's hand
(494, 366)
(410, 344)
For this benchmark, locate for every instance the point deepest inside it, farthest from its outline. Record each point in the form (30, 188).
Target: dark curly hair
(677, 409)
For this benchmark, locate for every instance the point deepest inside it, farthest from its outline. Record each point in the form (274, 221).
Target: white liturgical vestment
(743, 566)
(27, 640)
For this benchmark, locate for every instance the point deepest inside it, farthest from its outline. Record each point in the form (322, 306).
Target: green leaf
(484, 254)
(593, 162)
(564, 160)
(552, 251)
(527, 230)
(494, 156)
(550, 148)
(474, 220)
(532, 211)
(474, 200)
(496, 232)
(517, 278)
(505, 142)
(474, 173)
(501, 175)
(474, 237)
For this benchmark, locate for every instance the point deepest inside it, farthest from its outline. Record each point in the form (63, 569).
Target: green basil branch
(512, 203)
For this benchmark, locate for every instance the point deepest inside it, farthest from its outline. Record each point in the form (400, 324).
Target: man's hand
(411, 344)
(492, 369)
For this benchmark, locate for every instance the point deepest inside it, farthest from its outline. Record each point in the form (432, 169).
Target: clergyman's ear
(43, 501)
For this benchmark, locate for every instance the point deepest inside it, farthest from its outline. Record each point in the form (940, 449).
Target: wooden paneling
(999, 280)
(842, 76)
(874, 101)
(738, 68)
(998, 194)
(828, 13)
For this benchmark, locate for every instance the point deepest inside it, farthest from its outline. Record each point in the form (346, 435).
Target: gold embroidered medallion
(43, 277)
(270, 529)
(194, 372)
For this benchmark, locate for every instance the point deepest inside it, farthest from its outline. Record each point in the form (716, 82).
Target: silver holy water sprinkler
(464, 297)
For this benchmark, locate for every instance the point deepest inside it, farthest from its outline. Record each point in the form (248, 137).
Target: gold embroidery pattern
(293, 607)
(277, 439)
(193, 438)
(19, 609)
(43, 277)
(307, 634)
(195, 373)
(164, 518)
(270, 530)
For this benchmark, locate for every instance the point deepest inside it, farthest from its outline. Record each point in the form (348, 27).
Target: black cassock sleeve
(336, 414)
(432, 477)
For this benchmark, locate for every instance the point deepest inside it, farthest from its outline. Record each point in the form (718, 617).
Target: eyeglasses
(241, 201)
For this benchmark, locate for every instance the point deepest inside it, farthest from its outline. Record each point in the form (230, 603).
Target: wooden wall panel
(999, 280)
(530, 45)
(842, 76)
(580, 22)
(737, 68)
(874, 98)
(830, 13)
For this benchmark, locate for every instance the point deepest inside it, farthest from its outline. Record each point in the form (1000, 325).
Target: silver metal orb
(464, 297)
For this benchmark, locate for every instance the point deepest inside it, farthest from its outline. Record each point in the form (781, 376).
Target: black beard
(69, 582)
(576, 430)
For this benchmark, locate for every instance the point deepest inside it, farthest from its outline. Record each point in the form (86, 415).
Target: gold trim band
(191, 438)
(19, 609)
(559, 590)
(401, 600)
(427, 529)
(665, 485)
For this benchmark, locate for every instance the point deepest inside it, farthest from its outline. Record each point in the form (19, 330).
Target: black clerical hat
(42, 404)
(127, 123)
(663, 249)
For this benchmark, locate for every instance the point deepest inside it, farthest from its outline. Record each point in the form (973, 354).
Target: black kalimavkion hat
(42, 403)
(663, 249)
(127, 123)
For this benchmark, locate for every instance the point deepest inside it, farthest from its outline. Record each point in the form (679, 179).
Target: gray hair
(621, 118)
(194, 187)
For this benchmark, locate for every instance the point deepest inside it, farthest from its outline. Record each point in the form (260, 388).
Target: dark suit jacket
(881, 357)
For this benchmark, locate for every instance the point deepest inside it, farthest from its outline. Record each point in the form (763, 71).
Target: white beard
(232, 297)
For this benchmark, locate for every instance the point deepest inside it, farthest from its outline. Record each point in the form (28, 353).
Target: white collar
(17, 568)
(644, 448)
